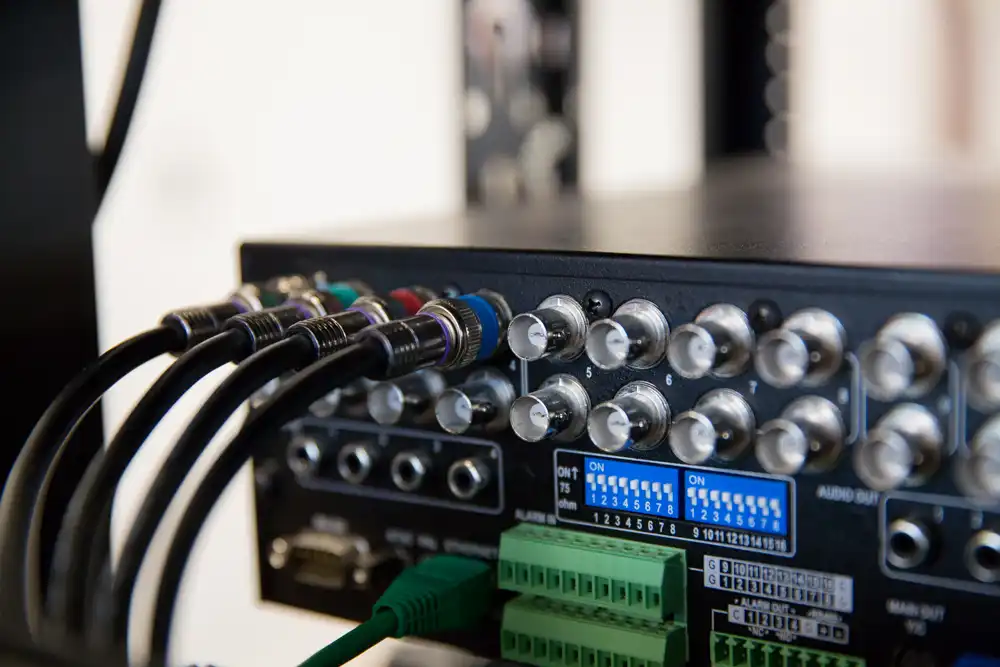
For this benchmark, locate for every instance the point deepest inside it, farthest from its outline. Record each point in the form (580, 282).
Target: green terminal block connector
(627, 577)
(733, 651)
(548, 633)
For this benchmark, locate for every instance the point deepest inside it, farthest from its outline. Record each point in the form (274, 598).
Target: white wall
(640, 95)
(886, 86)
(985, 18)
(258, 116)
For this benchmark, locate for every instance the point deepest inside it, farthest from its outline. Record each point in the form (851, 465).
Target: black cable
(95, 492)
(18, 651)
(128, 96)
(362, 359)
(99, 562)
(242, 383)
(24, 492)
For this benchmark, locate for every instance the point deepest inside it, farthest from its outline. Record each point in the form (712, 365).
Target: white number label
(753, 387)
(944, 405)
(590, 372)
(513, 365)
(670, 380)
(843, 396)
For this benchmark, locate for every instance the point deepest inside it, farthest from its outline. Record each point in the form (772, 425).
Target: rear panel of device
(872, 541)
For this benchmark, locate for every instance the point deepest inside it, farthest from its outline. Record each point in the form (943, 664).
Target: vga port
(322, 559)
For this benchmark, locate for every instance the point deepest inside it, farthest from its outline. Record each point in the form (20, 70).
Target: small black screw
(764, 316)
(451, 291)
(961, 330)
(597, 304)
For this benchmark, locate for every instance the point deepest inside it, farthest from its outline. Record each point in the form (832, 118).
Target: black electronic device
(750, 424)
(520, 71)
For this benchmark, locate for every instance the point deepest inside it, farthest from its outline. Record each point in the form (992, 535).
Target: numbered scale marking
(631, 486)
(739, 510)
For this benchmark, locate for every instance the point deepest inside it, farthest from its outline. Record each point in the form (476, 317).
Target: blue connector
(493, 315)
(445, 333)
(969, 660)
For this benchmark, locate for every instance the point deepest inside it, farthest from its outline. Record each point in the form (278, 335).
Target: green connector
(733, 651)
(631, 578)
(547, 633)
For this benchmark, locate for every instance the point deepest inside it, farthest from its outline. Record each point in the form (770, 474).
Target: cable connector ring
(466, 331)
(199, 323)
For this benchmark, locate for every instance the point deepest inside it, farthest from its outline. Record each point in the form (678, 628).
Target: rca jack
(409, 469)
(807, 350)
(467, 477)
(982, 556)
(408, 399)
(978, 468)
(718, 343)
(983, 370)
(304, 455)
(355, 461)
(903, 449)
(634, 337)
(908, 543)
(905, 359)
(557, 329)
(482, 403)
(636, 418)
(557, 410)
(721, 425)
(807, 437)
